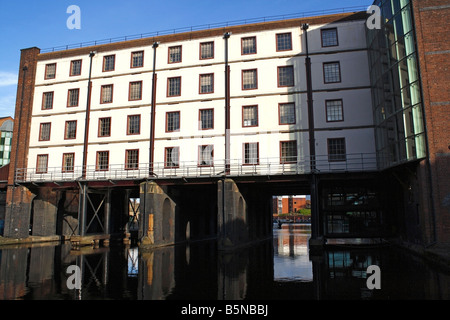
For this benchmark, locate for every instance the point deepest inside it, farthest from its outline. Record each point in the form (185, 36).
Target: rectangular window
(104, 127)
(42, 163)
(44, 131)
(109, 63)
(249, 116)
(75, 68)
(68, 162)
(248, 45)
(73, 97)
(206, 119)
(336, 149)
(132, 159)
(70, 131)
(50, 71)
(205, 155)
(284, 41)
(47, 101)
(172, 156)
(251, 153)
(288, 151)
(102, 163)
(137, 59)
(172, 121)
(107, 94)
(249, 79)
(207, 83)
(285, 76)
(334, 110)
(175, 54)
(135, 91)
(174, 87)
(329, 37)
(331, 72)
(287, 113)
(134, 124)
(206, 50)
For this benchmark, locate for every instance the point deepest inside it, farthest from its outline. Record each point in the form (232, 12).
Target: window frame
(112, 93)
(242, 45)
(97, 164)
(244, 161)
(99, 135)
(68, 98)
(49, 130)
(279, 113)
(104, 63)
(324, 74)
(341, 107)
(200, 83)
(200, 157)
(334, 157)
(168, 54)
(177, 165)
(257, 116)
(46, 71)
(63, 167)
(129, 126)
(276, 41)
(140, 93)
(279, 78)
(200, 119)
(127, 163)
(38, 171)
(281, 152)
(200, 50)
(43, 100)
(168, 87)
(321, 37)
(71, 74)
(167, 121)
(132, 59)
(66, 127)
(256, 79)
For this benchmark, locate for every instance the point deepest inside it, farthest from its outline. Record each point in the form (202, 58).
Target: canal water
(275, 269)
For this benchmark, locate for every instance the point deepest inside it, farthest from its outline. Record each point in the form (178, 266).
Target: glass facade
(396, 88)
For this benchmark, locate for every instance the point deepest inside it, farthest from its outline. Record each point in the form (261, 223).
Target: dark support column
(82, 212)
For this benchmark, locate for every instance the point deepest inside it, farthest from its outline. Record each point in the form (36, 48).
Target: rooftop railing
(206, 27)
(359, 162)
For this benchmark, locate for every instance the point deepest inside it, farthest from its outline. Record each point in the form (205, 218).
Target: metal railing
(206, 27)
(359, 162)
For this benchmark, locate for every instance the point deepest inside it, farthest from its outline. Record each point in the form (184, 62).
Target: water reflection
(278, 269)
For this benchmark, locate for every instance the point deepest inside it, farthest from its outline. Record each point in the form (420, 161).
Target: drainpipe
(226, 36)
(153, 111)
(312, 143)
(88, 112)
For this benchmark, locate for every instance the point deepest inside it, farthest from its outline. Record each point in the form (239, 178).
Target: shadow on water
(276, 269)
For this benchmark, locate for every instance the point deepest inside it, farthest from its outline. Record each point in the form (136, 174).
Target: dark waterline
(276, 269)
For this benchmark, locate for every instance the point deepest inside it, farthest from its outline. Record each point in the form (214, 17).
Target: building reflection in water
(278, 269)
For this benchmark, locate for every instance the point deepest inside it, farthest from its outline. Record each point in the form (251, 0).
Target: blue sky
(42, 23)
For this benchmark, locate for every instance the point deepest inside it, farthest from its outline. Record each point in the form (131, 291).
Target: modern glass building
(396, 86)
(6, 132)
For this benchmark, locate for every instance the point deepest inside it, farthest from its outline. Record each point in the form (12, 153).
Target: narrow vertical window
(75, 68)
(132, 159)
(284, 41)
(207, 83)
(172, 156)
(44, 131)
(135, 91)
(287, 113)
(68, 162)
(288, 152)
(104, 127)
(47, 101)
(248, 45)
(249, 116)
(109, 63)
(286, 76)
(102, 163)
(329, 37)
(50, 71)
(334, 110)
(249, 79)
(134, 124)
(206, 119)
(251, 153)
(205, 155)
(42, 163)
(172, 121)
(206, 50)
(175, 54)
(137, 59)
(174, 87)
(107, 94)
(73, 97)
(70, 131)
(336, 149)
(331, 72)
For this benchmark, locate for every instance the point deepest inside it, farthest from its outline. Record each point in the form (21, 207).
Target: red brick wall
(433, 43)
